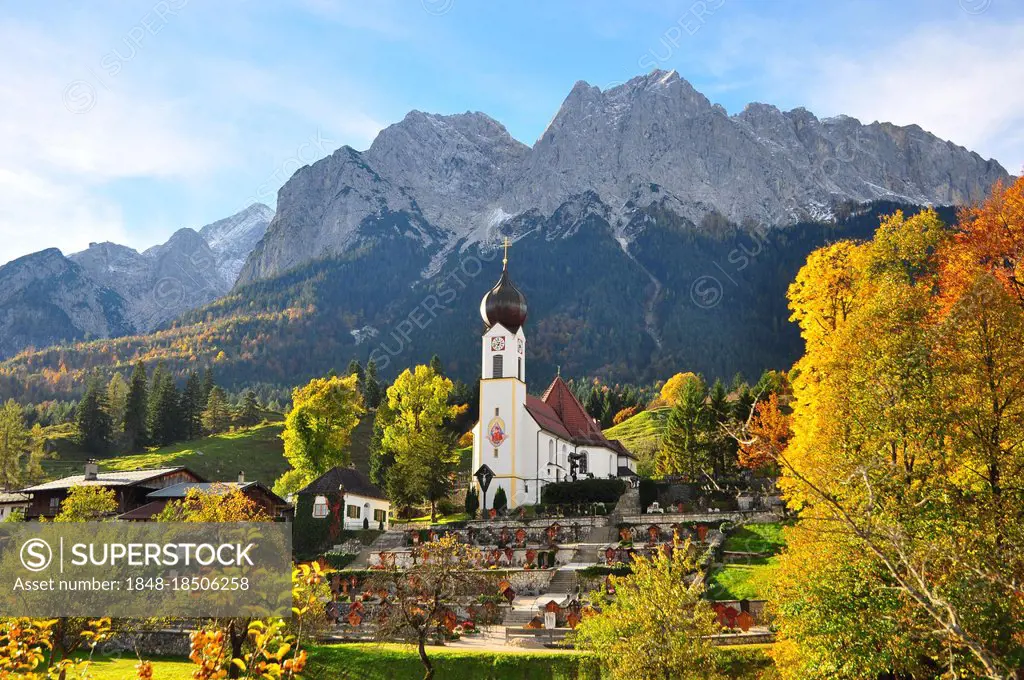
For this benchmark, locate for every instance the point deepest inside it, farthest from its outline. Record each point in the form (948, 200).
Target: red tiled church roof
(559, 412)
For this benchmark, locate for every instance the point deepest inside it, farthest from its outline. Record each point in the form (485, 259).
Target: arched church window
(551, 451)
(497, 366)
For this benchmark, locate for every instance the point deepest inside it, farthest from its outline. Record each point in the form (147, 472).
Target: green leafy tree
(87, 504)
(291, 482)
(658, 625)
(134, 425)
(14, 443)
(217, 416)
(92, 421)
(425, 456)
(318, 428)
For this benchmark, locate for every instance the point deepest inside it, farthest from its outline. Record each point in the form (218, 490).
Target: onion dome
(504, 304)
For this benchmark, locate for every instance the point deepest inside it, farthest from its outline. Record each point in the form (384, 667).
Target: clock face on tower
(520, 341)
(498, 343)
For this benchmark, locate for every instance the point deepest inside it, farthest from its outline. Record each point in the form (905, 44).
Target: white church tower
(498, 435)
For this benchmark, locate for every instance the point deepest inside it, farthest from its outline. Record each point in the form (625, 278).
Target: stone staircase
(517, 618)
(389, 540)
(590, 551)
(564, 582)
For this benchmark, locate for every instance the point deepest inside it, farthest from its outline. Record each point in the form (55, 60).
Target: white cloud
(962, 83)
(65, 137)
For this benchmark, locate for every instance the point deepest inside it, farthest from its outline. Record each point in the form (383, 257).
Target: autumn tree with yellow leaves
(906, 462)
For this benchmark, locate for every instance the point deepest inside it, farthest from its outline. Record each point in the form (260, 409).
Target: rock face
(653, 140)
(46, 298)
(109, 290)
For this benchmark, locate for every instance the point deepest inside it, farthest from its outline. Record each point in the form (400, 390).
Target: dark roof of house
(559, 412)
(144, 512)
(108, 479)
(353, 481)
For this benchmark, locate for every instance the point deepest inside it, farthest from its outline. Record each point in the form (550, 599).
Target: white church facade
(523, 442)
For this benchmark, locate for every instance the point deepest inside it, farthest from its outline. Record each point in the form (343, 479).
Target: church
(523, 442)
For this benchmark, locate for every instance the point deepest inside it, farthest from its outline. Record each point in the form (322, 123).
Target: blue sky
(125, 120)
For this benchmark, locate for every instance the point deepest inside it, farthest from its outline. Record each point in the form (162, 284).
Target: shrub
(625, 414)
(336, 560)
(500, 499)
(446, 507)
(472, 502)
(584, 491)
(649, 492)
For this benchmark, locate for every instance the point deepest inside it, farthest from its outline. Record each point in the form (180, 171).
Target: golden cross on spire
(507, 244)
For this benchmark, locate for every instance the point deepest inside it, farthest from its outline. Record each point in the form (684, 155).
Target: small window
(320, 507)
(353, 512)
(495, 410)
(498, 364)
(380, 515)
(54, 503)
(520, 365)
(495, 453)
(551, 451)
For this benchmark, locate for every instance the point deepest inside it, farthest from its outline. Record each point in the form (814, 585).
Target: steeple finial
(504, 261)
(559, 370)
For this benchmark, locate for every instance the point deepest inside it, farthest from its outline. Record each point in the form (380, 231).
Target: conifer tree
(355, 368)
(208, 384)
(435, 365)
(500, 499)
(117, 401)
(472, 502)
(14, 441)
(192, 407)
(164, 408)
(684, 449)
(372, 390)
(216, 417)
(95, 429)
(251, 412)
(136, 411)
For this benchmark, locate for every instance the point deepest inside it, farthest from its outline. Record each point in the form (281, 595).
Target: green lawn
(400, 662)
(748, 581)
(123, 668)
(258, 451)
(762, 538)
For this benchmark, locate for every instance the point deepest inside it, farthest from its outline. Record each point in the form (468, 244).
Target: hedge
(583, 491)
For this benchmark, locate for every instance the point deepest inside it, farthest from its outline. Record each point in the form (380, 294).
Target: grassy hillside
(642, 434)
(258, 451)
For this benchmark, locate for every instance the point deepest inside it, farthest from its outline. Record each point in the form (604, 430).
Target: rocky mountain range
(652, 140)
(653, 232)
(109, 290)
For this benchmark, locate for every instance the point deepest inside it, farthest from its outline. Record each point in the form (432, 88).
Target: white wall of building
(365, 506)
